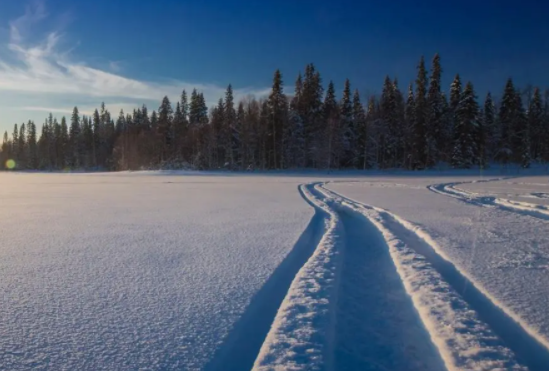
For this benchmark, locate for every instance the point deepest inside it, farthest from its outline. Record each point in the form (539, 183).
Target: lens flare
(10, 164)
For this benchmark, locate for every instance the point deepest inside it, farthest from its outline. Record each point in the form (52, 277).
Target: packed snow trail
(377, 327)
(302, 332)
(241, 347)
(478, 344)
(523, 208)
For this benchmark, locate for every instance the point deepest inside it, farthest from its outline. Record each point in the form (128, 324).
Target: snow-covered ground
(295, 271)
(129, 271)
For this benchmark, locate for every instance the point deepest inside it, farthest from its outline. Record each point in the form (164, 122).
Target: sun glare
(10, 164)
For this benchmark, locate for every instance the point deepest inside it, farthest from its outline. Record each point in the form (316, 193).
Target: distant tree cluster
(310, 128)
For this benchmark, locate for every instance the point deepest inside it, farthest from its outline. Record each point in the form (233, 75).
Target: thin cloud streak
(42, 68)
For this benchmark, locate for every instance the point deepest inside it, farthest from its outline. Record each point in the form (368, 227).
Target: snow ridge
(300, 336)
(530, 346)
(523, 208)
(464, 342)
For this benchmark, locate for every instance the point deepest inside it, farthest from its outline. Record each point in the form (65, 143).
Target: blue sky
(55, 54)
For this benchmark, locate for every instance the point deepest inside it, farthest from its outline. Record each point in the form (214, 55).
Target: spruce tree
(295, 149)
(522, 134)
(489, 125)
(311, 107)
(229, 116)
(386, 137)
(463, 155)
(347, 127)
(421, 112)
(64, 143)
(75, 160)
(165, 129)
(334, 135)
(32, 143)
(410, 119)
(359, 119)
(15, 145)
(434, 137)
(535, 121)
(22, 147)
(507, 117)
(279, 111)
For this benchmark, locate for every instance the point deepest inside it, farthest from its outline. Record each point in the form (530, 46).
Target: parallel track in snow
(487, 322)
(522, 208)
(379, 294)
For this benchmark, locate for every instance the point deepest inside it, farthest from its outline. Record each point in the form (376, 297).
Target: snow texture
(281, 271)
(501, 253)
(137, 271)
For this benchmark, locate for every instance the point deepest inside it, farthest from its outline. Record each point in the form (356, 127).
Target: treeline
(311, 128)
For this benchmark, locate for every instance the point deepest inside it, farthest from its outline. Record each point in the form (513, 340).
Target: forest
(420, 127)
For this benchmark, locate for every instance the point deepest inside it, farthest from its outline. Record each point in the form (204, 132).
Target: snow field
(131, 271)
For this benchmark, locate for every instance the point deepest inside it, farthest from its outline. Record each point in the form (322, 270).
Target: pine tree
(455, 99)
(336, 145)
(64, 143)
(522, 134)
(75, 160)
(410, 120)
(311, 112)
(386, 138)
(419, 160)
(294, 131)
(434, 137)
(347, 128)
(22, 147)
(359, 118)
(463, 155)
(165, 129)
(544, 147)
(15, 145)
(535, 121)
(278, 110)
(5, 151)
(32, 143)
(489, 125)
(507, 117)
(229, 116)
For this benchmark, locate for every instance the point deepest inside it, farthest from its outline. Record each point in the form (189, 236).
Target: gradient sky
(55, 54)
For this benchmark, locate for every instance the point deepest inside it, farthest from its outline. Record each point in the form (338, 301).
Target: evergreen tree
(463, 155)
(32, 143)
(419, 159)
(294, 131)
(311, 112)
(522, 134)
(386, 138)
(507, 117)
(278, 110)
(347, 128)
(65, 144)
(229, 116)
(15, 145)
(489, 125)
(5, 151)
(335, 137)
(359, 118)
(434, 133)
(410, 120)
(22, 147)
(75, 158)
(165, 128)
(535, 121)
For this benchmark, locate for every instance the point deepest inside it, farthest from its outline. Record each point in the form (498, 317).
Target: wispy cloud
(43, 67)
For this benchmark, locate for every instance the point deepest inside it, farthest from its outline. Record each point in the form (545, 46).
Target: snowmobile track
(530, 349)
(521, 208)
